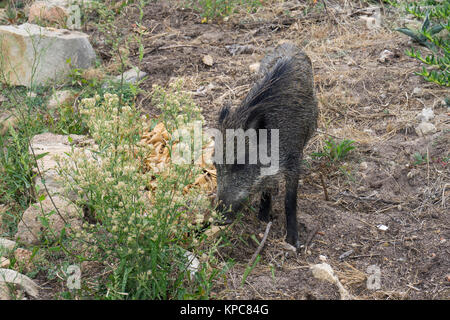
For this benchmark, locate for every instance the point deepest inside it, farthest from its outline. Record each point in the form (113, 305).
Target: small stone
(346, 254)
(7, 120)
(363, 166)
(208, 60)
(6, 244)
(193, 263)
(425, 115)
(386, 55)
(23, 258)
(369, 131)
(322, 258)
(212, 232)
(417, 91)
(382, 227)
(254, 67)
(132, 76)
(4, 262)
(425, 128)
(61, 98)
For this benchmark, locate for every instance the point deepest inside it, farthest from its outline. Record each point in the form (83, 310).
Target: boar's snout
(227, 207)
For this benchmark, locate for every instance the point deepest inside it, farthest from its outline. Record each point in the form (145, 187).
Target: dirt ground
(361, 98)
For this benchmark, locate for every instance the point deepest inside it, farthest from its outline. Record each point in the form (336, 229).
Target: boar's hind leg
(264, 207)
(291, 209)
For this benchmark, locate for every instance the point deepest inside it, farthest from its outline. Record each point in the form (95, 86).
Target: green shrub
(141, 239)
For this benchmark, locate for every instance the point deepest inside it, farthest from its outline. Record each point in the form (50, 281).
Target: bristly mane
(264, 90)
(263, 95)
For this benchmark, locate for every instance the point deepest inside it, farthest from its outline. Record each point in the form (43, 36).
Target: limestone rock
(208, 60)
(193, 263)
(385, 56)
(425, 115)
(4, 291)
(254, 67)
(4, 262)
(23, 260)
(30, 227)
(40, 55)
(425, 128)
(6, 244)
(44, 11)
(11, 276)
(132, 76)
(7, 119)
(54, 145)
(61, 98)
(62, 12)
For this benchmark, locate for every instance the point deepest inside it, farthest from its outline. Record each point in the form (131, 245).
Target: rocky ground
(385, 209)
(363, 96)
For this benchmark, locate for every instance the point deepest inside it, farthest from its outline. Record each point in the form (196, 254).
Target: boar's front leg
(264, 207)
(291, 208)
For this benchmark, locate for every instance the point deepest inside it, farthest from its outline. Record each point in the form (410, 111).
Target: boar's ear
(224, 113)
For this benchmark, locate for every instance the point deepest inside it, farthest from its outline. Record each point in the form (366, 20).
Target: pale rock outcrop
(33, 55)
(31, 227)
(54, 146)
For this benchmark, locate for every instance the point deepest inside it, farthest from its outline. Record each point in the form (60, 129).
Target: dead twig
(324, 187)
(443, 194)
(177, 46)
(261, 245)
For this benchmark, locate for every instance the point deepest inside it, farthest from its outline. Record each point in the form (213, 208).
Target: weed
(436, 18)
(334, 151)
(210, 9)
(419, 158)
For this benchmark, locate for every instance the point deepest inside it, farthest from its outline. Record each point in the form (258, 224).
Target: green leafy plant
(335, 151)
(12, 15)
(419, 158)
(436, 21)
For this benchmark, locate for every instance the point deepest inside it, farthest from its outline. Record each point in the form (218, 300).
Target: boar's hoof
(293, 240)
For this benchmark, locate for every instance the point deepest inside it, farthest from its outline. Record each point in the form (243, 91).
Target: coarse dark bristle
(269, 85)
